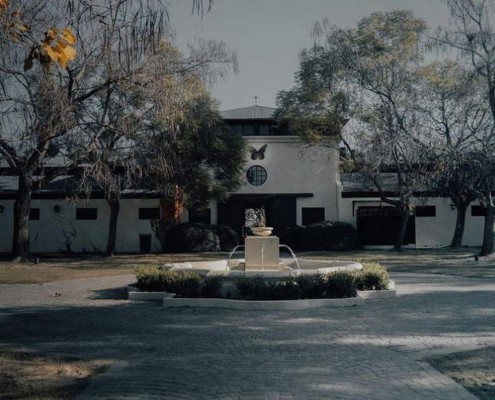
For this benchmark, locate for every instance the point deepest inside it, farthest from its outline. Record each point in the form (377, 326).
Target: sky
(268, 35)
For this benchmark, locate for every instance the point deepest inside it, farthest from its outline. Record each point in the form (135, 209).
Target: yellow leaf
(24, 28)
(51, 34)
(3, 4)
(68, 36)
(49, 52)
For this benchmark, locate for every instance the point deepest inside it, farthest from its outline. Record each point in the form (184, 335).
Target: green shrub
(284, 289)
(251, 288)
(373, 276)
(311, 286)
(152, 278)
(191, 238)
(211, 286)
(291, 236)
(329, 235)
(149, 278)
(334, 285)
(340, 284)
(185, 283)
(227, 236)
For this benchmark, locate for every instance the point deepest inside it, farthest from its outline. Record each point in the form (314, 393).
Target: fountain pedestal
(262, 253)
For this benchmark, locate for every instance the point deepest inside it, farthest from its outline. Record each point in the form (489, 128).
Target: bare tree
(473, 36)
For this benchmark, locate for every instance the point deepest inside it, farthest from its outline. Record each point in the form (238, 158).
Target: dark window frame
(148, 213)
(308, 219)
(87, 213)
(34, 214)
(478, 211)
(256, 175)
(426, 211)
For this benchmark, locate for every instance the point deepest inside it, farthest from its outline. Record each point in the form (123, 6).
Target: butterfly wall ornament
(258, 154)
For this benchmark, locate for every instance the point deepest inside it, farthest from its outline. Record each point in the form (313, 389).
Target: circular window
(256, 175)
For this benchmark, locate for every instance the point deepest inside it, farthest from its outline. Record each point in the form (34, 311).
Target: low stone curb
(135, 294)
(275, 305)
(379, 294)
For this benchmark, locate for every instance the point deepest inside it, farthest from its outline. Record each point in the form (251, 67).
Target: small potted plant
(259, 228)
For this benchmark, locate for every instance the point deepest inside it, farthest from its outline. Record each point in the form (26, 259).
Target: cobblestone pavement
(369, 352)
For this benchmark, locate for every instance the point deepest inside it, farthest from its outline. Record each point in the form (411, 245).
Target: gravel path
(369, 352)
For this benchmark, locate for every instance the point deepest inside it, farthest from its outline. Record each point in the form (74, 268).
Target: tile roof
(252, 112)
(354, 182)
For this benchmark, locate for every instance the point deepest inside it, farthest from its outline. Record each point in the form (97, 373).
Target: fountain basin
(233, 271)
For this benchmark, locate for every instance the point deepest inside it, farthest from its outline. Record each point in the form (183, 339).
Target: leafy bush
(152, 278)
(311, 286)
(211, 286)
(191, 238)
(251, 288)
(334, 285)
(291, 236)
(149, 278)
(329, 235)
(373, 276)
(185, 283)
(284, 289)
(340, 284)
(227, 236)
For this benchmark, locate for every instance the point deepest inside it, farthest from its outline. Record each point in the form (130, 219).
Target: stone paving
(369, 352)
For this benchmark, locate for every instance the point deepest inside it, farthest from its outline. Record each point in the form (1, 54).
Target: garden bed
(196, 289)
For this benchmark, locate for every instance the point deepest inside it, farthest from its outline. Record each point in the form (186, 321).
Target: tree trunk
(112, 226)
(22, 206)
(461, 208)
(489, 232)
(404, 219)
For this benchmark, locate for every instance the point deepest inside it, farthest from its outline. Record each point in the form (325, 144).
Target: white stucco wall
(430, 231)
(52, 232)
(293, 167)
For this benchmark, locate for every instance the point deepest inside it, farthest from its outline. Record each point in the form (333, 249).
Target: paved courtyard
(369, 352)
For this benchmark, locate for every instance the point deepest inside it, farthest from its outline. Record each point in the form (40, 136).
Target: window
(310, 215)
(478, 211)
(34, 214)
(256, 175)
(426, 211)
(86, 213)
(149, 213)
(201, 216)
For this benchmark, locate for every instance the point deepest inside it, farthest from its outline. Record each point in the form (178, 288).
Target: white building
(295, 183)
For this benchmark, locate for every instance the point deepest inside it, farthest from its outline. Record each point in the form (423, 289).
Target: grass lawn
(37, 377)
(51, 269)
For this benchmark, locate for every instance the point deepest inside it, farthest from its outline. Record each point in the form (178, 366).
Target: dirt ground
(34, 377)
(37, 377)
(475, 370)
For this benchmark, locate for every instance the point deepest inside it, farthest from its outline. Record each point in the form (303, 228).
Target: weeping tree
(127, 153)
(59, 59)
(368, 75)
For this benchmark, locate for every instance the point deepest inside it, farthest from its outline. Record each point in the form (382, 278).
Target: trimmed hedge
(334, 285)
(155, 279)
(373, 276)
(329, 235)
(339, 284)
(211, 286)
(197, 238)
